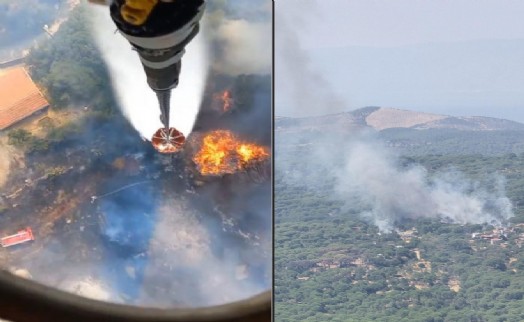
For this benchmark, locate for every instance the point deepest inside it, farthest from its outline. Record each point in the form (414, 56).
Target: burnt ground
(156, 233)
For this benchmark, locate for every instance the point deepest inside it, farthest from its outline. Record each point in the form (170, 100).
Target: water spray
(159, 31)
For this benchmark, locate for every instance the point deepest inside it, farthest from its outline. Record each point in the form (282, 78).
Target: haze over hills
(383, 118)
(386, 118)
(415, 132)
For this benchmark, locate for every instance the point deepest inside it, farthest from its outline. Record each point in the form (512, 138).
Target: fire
(226, 100)
(168, 141)
(222, 153)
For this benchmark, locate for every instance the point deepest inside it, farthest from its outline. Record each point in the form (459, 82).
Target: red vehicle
(20, 237)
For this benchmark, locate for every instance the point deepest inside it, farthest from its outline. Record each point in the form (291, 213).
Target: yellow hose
(136, 12)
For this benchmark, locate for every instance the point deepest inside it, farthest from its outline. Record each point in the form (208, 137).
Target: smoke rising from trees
(367, 176)
(389, 193)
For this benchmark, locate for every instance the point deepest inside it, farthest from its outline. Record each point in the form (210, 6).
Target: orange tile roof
(19, 97)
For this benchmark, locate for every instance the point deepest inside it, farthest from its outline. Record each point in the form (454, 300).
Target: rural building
(19, 97)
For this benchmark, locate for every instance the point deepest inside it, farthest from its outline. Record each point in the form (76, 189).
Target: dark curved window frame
(23, 300)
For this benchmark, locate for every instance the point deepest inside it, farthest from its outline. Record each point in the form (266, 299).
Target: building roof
(19, 97)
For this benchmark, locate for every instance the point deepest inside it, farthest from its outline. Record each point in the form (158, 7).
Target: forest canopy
(70, 67)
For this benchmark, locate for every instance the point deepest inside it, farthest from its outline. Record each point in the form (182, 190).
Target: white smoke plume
(389, 193)
(138, 102)
(371, 183)
(307, 90)
(244, 53)
(367, 177)
(181, 254)
(241, 36)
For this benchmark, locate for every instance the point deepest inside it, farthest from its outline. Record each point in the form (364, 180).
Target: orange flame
(222, 153)
(225, 99)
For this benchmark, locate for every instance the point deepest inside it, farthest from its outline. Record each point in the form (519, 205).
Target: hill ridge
(384, 118)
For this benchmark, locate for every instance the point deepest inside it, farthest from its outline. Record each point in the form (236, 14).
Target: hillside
(383, 118)
(387, 118)
(331, 261)
(415, 133)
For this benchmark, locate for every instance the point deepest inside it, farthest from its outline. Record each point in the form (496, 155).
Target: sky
(454, 57)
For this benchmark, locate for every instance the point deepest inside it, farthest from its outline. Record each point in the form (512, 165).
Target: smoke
(177, 255)
(157, 247)
(307, 92)
(240, 34)
(153, 235)
(138, 102)
(57, 265)
(192, 265)
(370, 181)
(90, 288)
(388, 193)
(170, 248)
(358, 170)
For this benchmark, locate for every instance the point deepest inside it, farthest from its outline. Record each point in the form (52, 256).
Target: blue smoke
(128, 224)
